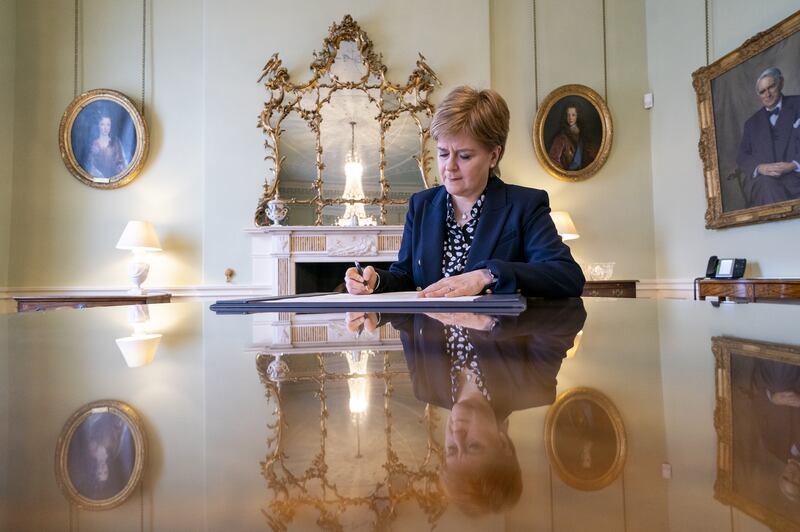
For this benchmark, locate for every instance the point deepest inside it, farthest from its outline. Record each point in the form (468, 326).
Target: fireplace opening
(325, 276)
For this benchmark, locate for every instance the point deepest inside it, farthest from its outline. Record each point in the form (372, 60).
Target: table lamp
(564, 225)
(138, 237)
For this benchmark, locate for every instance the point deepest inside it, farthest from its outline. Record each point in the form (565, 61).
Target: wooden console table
(751, 290)
(610, 289)
(36, 303)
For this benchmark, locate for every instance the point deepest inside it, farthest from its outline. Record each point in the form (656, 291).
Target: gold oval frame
(132, 419)
(599, 105)
(65, 139)
(601, 400)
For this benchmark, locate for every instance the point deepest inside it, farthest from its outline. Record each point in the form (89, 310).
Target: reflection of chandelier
(358, 386)
(354, 213)
(315, 492)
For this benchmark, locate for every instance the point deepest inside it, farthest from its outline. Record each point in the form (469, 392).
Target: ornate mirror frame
(285, 98)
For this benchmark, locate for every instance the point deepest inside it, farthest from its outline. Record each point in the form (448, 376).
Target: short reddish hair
(483, 115)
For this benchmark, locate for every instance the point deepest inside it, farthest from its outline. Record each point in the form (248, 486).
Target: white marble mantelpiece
(275, 250)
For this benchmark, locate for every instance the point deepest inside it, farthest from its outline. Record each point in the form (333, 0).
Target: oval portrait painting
(585, 439)
(572, 133)
(103, 139)
(100, 455)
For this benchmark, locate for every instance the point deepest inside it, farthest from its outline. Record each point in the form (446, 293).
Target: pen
(361, 272)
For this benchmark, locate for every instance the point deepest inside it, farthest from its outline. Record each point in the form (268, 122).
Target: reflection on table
(393, 428)
(481, 368)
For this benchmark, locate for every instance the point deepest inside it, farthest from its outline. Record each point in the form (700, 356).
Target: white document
(386, 297)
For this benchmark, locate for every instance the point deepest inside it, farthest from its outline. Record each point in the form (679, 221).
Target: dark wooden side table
(751, 290)
(626, 288)
(36, 303)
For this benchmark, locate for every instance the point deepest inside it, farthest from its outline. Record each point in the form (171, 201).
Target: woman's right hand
(355, 283)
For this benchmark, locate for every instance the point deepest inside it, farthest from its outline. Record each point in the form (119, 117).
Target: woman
(570, 149)
(475, 234)
(106, 158)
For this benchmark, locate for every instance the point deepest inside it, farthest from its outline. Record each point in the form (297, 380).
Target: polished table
(593, 414)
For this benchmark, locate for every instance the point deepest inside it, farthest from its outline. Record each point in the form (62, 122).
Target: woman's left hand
(466, 284)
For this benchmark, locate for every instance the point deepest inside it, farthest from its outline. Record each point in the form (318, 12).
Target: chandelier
(354, 213)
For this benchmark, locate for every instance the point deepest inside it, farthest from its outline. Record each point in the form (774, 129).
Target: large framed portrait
(100, 455)
(757, 419)
(749, 107)
(572, 133)
(103, 139)
(585, 439)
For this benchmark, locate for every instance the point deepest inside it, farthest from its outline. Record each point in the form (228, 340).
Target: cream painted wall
(7, 50)
(7, 37)
(240, 35)
(205, 171)
(675, 48)
(612, 210)
(63, 232)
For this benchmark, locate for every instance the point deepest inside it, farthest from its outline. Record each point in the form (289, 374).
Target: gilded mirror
(348, 146)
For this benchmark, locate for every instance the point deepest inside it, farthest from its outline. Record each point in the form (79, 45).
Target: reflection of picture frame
(103, 139)
(572, 133)
(736, 138)
(585, 439)
(100, 455)
(757, 416)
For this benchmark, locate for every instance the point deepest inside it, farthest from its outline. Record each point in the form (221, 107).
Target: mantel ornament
(312, 121)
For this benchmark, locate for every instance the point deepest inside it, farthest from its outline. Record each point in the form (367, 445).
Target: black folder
(487, 304)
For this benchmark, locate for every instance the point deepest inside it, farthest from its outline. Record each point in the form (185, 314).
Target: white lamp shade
(564, 225)
(139, 350)
(139, 236)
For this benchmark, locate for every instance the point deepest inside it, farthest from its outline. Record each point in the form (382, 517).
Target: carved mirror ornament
(347, 112)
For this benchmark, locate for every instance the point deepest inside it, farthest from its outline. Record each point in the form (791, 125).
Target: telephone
(725, 268)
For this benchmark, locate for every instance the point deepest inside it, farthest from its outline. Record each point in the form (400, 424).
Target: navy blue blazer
(515, 238)
(520, 357)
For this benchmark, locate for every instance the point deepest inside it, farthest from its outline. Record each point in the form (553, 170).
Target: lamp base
(138, 271)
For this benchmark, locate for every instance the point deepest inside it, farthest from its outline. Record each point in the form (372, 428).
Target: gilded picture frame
(100, 455)
(573, 133)
(753, 417)
(585, 439)
(103, 139)
(738, 147)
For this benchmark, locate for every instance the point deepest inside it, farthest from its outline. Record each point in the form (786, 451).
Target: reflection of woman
(106, 158)
(475, 233)
(572, 149)
(483, 369)
(101, 456)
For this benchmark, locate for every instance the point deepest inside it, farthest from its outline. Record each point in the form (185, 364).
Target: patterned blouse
(463, 357)
(458, 239)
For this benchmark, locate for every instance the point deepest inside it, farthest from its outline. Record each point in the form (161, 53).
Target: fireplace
(313, 277)
(302, 259)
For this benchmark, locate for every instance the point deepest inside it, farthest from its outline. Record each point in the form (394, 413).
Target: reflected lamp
(139, 349)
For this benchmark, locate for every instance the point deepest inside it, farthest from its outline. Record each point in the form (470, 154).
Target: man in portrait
(573, 147)
(770, 147)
